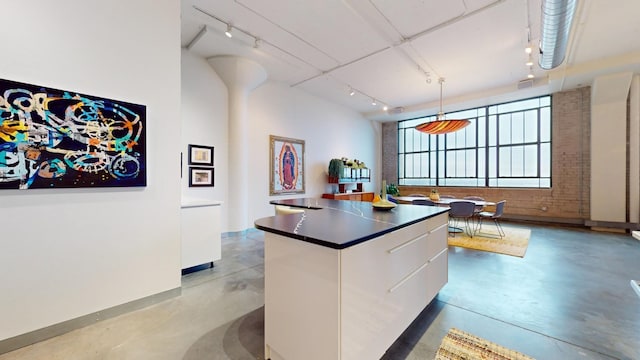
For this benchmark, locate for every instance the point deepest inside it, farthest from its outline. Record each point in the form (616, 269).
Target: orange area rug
(514, 243)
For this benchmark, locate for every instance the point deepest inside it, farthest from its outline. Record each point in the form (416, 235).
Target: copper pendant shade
(441, 125)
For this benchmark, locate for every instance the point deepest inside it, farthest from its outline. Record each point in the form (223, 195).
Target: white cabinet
(324, 303)
(200, 229)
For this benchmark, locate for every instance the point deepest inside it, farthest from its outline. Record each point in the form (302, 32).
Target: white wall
(609, 96)
(329, 131)
(204, 122)
(69, 252)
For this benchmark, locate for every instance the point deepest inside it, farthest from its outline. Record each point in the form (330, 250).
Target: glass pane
(531, 160)
(493, 162)
(471, 134)
(401, 148)
(493, 130)
(417, 136)
(470, 163)
(424, 142)
(450, 164)
(401, 166)
(545, 124)
(408, 166)
(433, 165)
(517, 128)
(481, 163)
(531, 126)
(482, 131)
(493, 110)
(424, 165)
(409, 140)
(545, 101)
(504, 162)
(545, 160)
(461, 163)
(517, 161)
(519, 105)
(545, 183)
(504, 128)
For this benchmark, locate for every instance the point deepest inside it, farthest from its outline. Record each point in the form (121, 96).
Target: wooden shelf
(354, 196)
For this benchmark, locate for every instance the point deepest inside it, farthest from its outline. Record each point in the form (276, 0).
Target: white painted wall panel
(69, 252)
(609, 147)
(634, 150)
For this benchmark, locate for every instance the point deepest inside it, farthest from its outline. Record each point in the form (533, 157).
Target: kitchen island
(343, 280)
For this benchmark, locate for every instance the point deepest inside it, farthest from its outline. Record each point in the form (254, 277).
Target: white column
(634, 151)
(609, 147)
(241, 76)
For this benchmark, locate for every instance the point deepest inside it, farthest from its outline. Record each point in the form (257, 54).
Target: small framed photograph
(201, 155)
(200, 176)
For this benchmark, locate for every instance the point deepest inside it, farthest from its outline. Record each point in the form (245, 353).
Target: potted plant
(392, 189)
(336, 170)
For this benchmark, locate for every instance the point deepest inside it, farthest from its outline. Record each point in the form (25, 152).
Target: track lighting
(373, 102)
(351, 92)
(228, 32)
(529, 62)
(385, 108)
(527, 49)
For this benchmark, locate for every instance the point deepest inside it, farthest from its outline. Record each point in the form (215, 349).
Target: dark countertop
(339, 224)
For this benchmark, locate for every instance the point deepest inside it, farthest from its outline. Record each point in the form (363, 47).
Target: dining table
(442, 201)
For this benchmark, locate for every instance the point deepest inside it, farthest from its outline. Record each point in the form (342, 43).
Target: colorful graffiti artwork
(53, 138)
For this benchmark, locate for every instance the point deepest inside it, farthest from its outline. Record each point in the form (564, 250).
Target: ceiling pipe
(557, 16)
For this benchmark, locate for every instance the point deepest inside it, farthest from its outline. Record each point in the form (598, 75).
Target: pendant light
(441, 125)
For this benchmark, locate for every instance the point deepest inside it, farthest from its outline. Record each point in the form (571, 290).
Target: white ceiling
(388, 50)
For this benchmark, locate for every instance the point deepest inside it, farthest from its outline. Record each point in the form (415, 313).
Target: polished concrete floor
(568, 298)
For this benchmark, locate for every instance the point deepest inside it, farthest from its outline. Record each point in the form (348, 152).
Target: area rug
(514, 243)
(460, 345)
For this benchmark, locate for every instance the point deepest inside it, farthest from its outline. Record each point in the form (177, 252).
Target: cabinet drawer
(394, 256)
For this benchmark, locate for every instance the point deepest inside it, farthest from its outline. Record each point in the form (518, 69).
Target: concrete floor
(568, 298)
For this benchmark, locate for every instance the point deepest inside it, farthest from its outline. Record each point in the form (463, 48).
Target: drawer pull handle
(438, 228)
(406, 278)
(399, 247)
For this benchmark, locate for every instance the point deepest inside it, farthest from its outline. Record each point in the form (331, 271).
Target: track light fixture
(385, 108)
(373, 102)
(351, 92)
(228, 32)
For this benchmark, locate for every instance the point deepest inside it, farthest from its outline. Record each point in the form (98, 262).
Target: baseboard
(64, 327)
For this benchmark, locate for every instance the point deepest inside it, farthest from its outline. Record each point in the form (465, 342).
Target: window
(506, 145)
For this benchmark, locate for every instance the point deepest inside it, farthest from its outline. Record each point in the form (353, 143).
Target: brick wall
(568, 199)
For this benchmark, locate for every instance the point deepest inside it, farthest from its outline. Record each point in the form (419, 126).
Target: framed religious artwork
(200, 176)
(286, 166)
(200, 155)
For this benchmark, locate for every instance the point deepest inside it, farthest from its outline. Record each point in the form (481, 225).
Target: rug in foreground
(514, 243)
(460, 345)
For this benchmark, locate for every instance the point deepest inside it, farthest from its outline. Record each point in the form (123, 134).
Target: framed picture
(201, 155)
(200, 176)
(286, 166)
(53, 138)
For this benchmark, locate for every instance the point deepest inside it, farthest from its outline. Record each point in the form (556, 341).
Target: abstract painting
(52, 138)
(286, 166)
